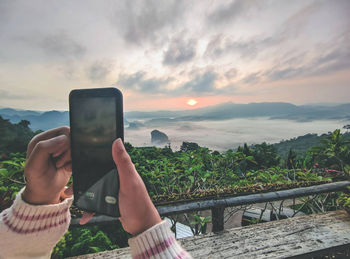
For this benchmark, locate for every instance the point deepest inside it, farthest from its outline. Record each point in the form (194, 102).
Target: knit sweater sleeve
(157, 242)
(32, 231)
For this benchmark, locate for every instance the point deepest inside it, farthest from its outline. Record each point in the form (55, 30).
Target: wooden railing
(315, 236)
(217, 206)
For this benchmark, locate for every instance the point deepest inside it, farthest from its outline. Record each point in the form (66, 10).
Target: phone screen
(96, 120)
(93, 123)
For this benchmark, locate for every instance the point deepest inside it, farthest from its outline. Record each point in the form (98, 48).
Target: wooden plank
(277, 239)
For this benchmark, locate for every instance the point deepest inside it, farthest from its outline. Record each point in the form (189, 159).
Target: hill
(301, 144)
(224, 111)
(38, 120)
(14, 137)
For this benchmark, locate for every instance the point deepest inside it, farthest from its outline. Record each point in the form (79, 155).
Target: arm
(139, 216)
(158, 242)
(40, 214)
(32, 230)
(152, 236)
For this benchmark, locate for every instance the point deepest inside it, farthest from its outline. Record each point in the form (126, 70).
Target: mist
(229, 134)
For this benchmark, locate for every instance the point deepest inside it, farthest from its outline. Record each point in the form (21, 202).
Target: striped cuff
(24, 218)
(157, 242)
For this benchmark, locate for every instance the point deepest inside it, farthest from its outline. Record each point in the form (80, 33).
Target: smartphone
(96, 120)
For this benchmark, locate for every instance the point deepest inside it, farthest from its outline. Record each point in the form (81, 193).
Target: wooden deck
(299, 237)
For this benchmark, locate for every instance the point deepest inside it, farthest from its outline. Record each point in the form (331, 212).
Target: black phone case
(102, 195)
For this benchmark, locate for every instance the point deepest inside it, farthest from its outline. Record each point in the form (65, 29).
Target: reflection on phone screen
(94, 124)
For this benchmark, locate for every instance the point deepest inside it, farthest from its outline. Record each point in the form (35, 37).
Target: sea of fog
(226, 134)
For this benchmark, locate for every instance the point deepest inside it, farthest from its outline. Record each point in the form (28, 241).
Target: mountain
(159, 138)
(224, 111)
(38, 120)
(18, 112)
(276, 110)
(302, 143)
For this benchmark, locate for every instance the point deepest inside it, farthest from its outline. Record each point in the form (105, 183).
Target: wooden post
(217, 217)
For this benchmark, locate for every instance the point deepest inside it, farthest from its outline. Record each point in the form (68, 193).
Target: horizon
(164, 54)
(330, 104)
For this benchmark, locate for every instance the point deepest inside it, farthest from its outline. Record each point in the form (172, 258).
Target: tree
(189, 146)
(14, 137)
(347, 127)
(265, 155)
(334, 151)
(24, 123)
(291, 159)
(246, 150)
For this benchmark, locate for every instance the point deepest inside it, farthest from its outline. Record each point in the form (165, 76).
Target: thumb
(67, 192)
(126, 168)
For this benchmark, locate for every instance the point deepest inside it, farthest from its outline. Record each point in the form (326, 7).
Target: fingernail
(119, 145)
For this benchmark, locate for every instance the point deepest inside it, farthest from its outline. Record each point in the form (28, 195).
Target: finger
(68, 167)
(86, 217)
(126, 168)
(45, 136)
(67, 192)
(64, 159)
(44, 149)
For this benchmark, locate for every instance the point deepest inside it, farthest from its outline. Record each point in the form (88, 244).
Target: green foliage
(319, 203)
(194, 172)
(80, 241)
(14, 137)
(200, 173)
(344, 200)
(299, 145)
(291, 160)
(189, 146)
(334, 152)
(200, 224)
(11, 176)
(265, 155)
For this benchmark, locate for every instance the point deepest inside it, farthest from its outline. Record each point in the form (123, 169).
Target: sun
(192, 102)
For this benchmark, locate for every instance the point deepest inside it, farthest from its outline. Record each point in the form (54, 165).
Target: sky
(163, 53)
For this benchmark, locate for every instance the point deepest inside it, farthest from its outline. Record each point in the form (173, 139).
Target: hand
(136, 208)
(48, 167)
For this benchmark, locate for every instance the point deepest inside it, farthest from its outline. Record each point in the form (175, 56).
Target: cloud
(229, 12)
(98, 71)
(328, 58)
(221, 45)
(141, 21)
(173, 48)
(5, 8)
(231, 73)
(331, 57)
(141, 83)
(200, 84)
(216, 46)
(61, 45)
(179, 51)
(252, 78)
(5, 95)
